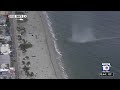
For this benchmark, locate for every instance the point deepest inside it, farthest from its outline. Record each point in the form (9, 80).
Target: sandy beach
(52, 50)
(40, 57)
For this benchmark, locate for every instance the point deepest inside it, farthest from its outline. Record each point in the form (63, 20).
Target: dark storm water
(86, 40)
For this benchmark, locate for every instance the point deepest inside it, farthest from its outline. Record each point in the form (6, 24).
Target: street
(14, 43)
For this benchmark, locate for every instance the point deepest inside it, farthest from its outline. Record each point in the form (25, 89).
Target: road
(13, 29)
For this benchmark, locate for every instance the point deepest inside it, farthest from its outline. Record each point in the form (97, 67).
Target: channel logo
(106, 67)
(18, 17)
(106, 70)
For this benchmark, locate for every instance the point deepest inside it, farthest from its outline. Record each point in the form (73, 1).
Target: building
(6, 72)
(8, 38)
(5, 59)
(3, 38)
(5, 49)
(4, 65)
(2, 20)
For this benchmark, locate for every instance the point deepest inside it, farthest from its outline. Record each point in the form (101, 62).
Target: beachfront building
(3, 17)
(8, 38)
(5, 59)
(2, 20)
(1, 38)
(4, 65)
(5, 49)
(6, 72)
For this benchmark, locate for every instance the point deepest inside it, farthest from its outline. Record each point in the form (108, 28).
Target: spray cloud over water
(82, 35)
(82, 28)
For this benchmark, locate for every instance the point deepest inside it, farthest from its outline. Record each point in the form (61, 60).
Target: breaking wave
(56, 46)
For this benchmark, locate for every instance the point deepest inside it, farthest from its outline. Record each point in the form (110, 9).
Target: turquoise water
(87, 39)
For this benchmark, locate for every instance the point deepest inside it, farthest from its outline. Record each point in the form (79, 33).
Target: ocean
(85, 40)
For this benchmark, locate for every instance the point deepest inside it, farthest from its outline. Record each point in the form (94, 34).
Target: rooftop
(4, 59)
(5, 49)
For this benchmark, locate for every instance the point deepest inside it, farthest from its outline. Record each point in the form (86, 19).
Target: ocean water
(85, 40)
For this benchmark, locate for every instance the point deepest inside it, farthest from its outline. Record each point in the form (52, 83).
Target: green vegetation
(24, 41)
(23, 62)
(31, 74)
(21, 30)
(26, 69)
(28, 63)
(12, 62)
(19, 37)
(23, 51)
(27, 57)
(25, 45)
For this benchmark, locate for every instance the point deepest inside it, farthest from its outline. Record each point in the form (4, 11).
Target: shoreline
(52, 49)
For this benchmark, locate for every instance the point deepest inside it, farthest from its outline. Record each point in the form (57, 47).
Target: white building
(2, 37)
(2, 20)
(8, 38)
(5, 49)
(7, 72)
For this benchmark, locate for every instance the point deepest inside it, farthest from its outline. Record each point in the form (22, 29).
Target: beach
(39, 60)
(52, 47)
